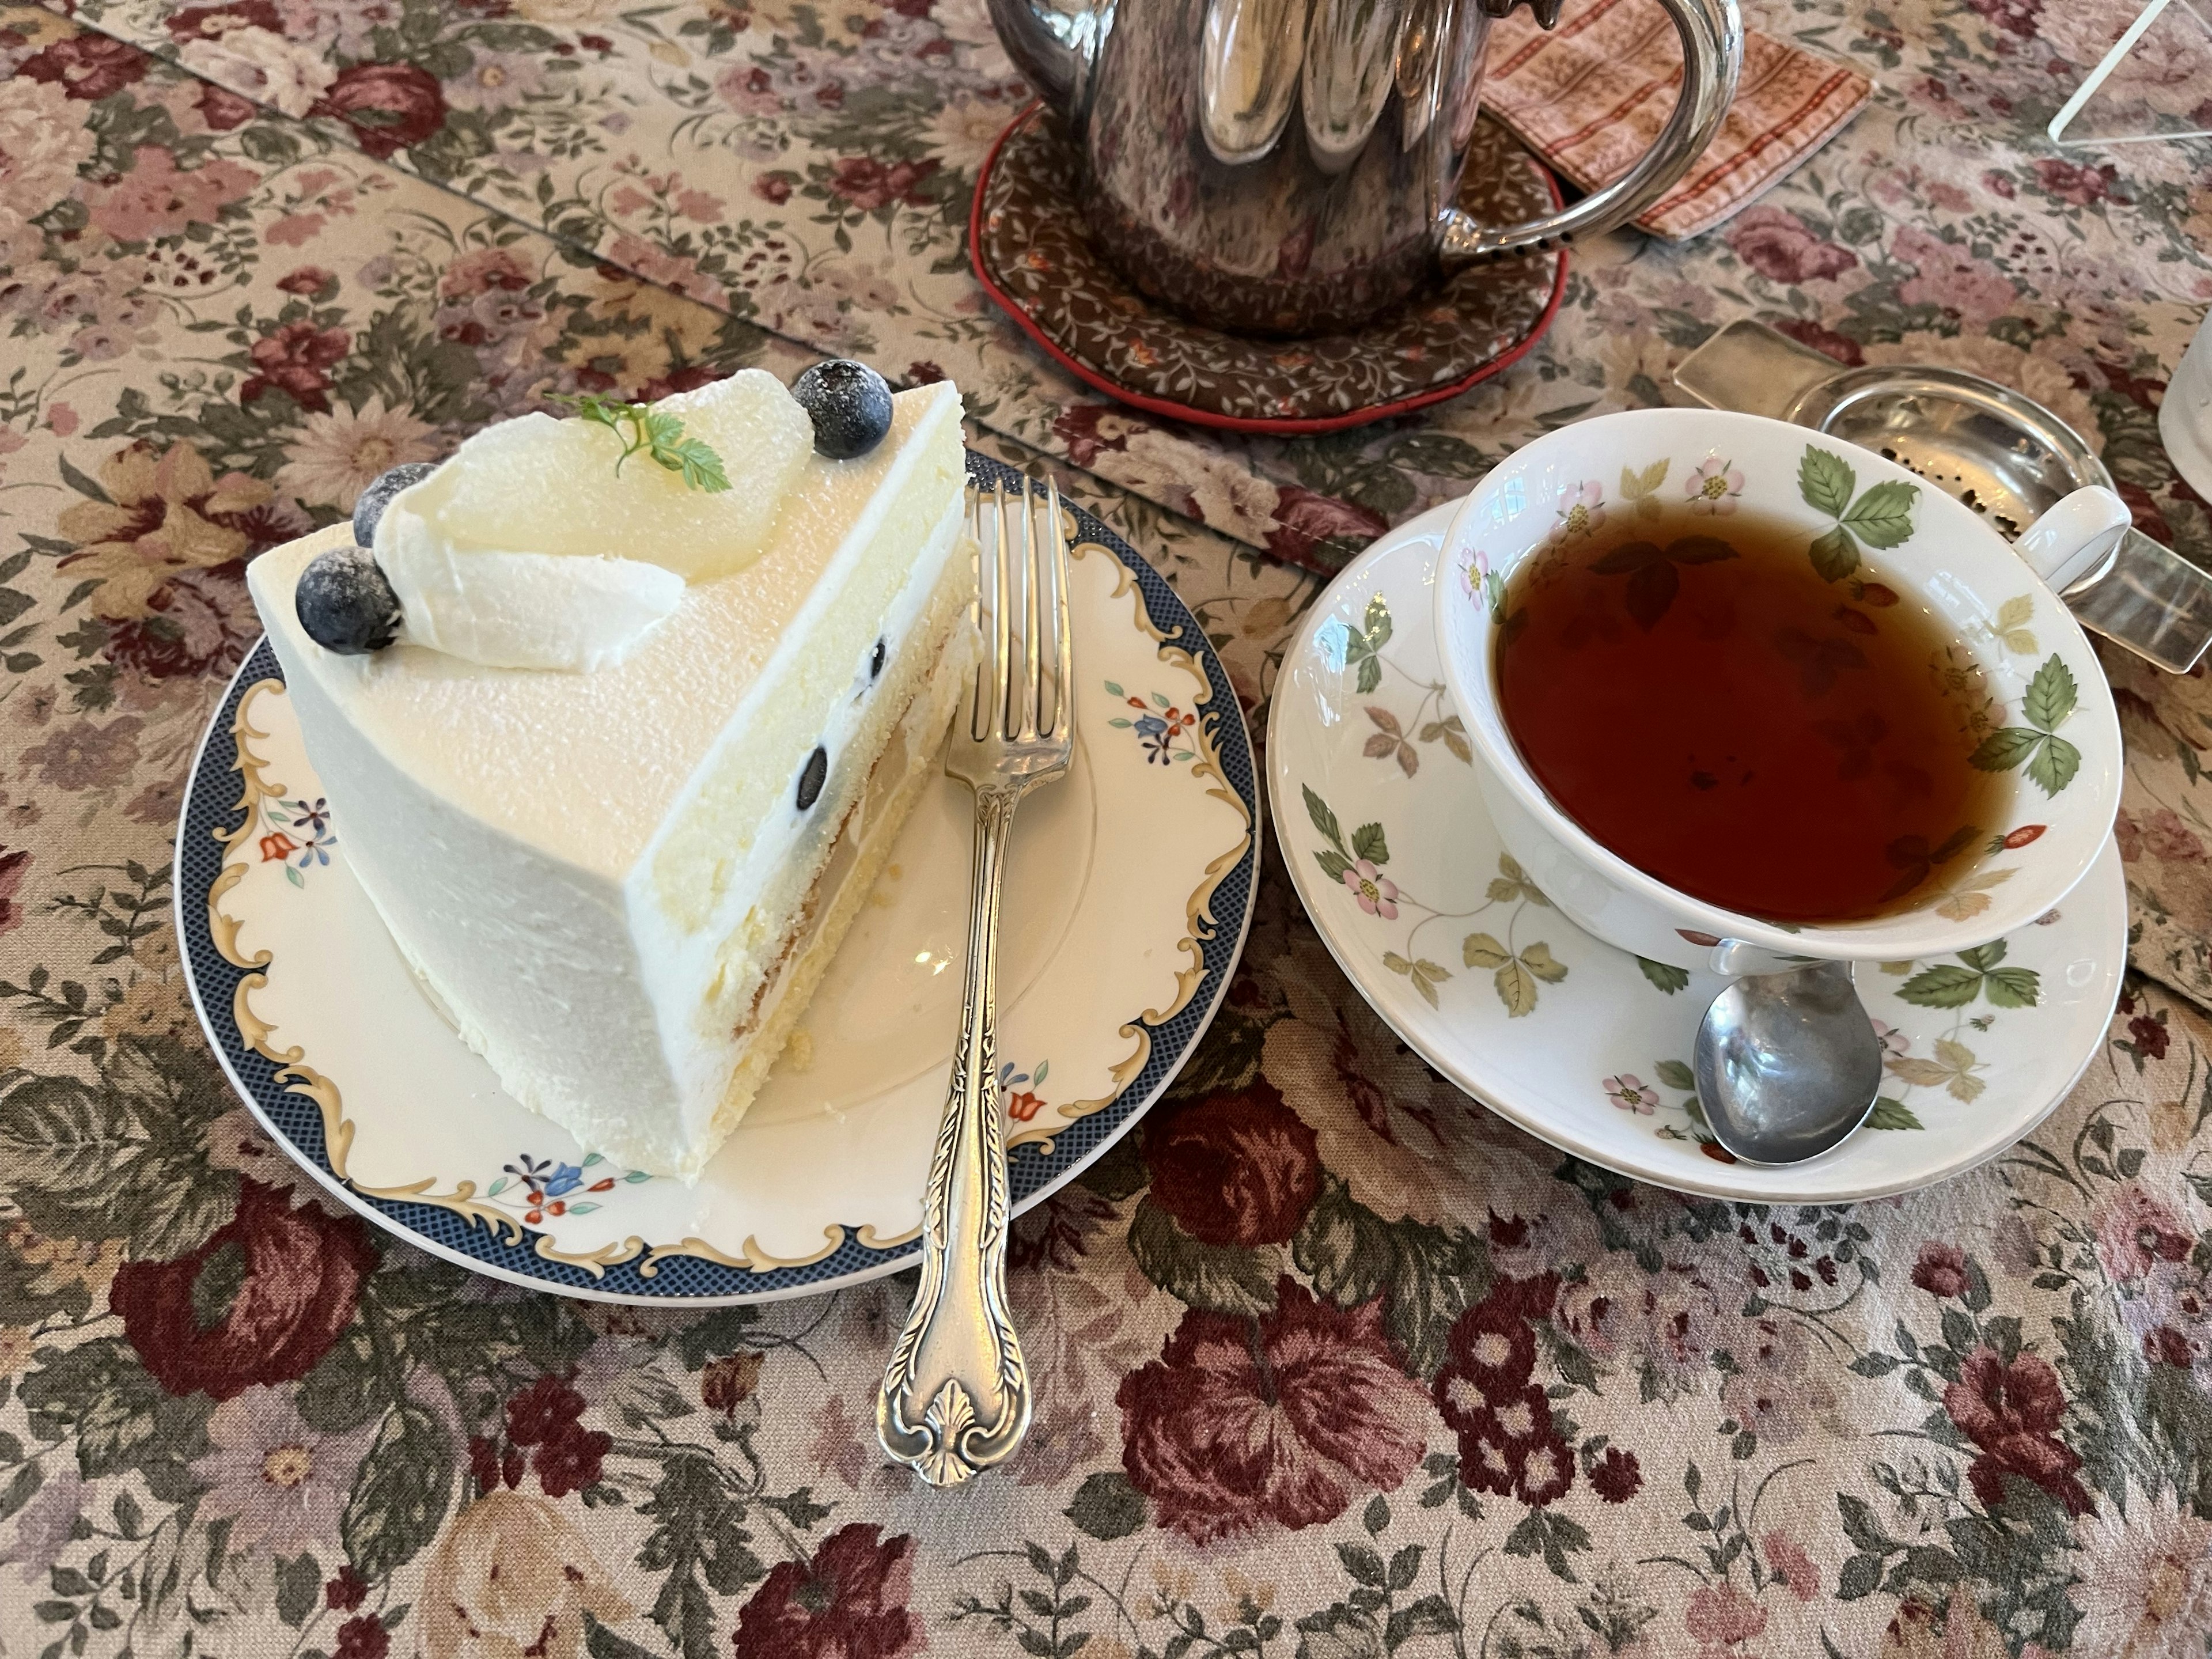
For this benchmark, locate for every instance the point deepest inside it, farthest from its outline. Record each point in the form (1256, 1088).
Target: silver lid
(2000, 452)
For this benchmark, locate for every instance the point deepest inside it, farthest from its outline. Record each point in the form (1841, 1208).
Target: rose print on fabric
(1276, 1421)
(2035, 1334)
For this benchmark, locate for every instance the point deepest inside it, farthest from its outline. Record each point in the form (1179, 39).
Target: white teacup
(1996, 601)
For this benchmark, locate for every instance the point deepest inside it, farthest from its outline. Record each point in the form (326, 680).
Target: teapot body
(1292, 167)
(1266, 166)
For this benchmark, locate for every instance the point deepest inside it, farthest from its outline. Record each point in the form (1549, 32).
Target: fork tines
(1011, 686)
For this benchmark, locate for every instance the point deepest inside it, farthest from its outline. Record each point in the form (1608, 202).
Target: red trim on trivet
(1295, 427)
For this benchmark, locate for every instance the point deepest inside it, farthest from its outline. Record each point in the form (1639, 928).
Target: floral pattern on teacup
(1581, 511)
(1881, 515)
(1714, 486)
(2035, 747)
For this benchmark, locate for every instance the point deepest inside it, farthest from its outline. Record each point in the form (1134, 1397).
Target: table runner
(1459, 1395)
(810, 168)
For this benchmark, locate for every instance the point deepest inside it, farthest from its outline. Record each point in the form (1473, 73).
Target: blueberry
(876, 662)
(345, 603)
(849, 404)
(369, 509)
(811, 780)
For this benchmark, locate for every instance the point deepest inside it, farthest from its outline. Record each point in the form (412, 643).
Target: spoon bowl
(1787, 1065)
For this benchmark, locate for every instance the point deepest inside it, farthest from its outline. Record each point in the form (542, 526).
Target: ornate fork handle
(956, 1397)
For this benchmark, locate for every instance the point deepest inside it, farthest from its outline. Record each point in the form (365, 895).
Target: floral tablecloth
(1492, 1401)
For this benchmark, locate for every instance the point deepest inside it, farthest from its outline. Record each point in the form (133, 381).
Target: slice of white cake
(622, 878)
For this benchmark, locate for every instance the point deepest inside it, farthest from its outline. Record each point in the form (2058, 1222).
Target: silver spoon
(1787, 1065)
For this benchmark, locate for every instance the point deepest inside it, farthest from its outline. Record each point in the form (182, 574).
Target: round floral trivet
(1033, 255)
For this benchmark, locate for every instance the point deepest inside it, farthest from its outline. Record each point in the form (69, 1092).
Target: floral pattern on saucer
(300, 836)
(1035, 254)
(1589, 1046)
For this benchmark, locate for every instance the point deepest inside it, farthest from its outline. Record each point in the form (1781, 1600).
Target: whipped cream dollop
(540, 545)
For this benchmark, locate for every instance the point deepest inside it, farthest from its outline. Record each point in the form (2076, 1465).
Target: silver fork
(956, 1396)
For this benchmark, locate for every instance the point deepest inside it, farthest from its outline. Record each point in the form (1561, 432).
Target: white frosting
(505, 821)
(539, 545)
(521, 609)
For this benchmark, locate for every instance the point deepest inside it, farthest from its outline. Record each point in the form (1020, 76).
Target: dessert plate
(1589, 1048)
(1128, 894)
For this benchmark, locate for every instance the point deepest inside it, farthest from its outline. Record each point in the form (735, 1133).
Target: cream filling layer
(683, 961)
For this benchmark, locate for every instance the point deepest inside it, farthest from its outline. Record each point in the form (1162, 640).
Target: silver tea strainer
(1998, 452)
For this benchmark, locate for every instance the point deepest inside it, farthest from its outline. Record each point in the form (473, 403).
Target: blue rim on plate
(212, 815)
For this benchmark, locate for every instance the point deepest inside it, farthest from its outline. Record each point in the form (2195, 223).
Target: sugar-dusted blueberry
(346, 604)
(811, 780)
(876, 662)
(368, 510)
(849, 404)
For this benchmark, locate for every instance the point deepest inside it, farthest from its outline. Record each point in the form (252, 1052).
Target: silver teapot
(1291, 166)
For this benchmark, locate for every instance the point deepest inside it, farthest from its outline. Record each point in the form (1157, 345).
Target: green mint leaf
(590, 407)
(1677, 1074)
(1983, 957)
(1834, 556)
(1826, 480)
(701, 466)
(2051, 696)
(2001, 751)
(659, 434)
(1371, 674)
(1883, 516)
(1663, 976)
(1368, 843)
(2013, 987)
(1334, 863)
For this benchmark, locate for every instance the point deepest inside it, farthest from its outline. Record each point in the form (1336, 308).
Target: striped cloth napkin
(1590, 96)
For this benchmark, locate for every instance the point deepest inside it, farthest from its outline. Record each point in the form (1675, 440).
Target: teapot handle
(1713, 58)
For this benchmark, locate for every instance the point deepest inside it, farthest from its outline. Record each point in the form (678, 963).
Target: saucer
(1129, 889)
(1583, 1045)
(1033, 255)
